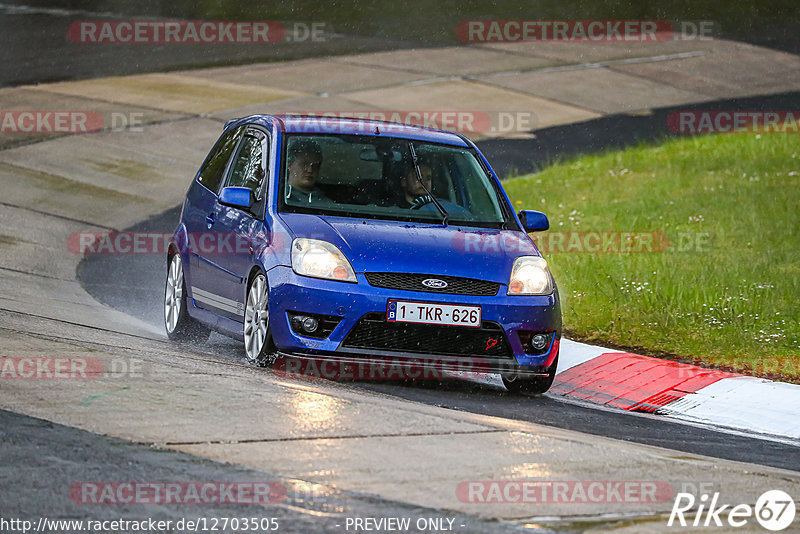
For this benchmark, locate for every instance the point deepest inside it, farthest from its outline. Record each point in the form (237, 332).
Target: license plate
(433, 313)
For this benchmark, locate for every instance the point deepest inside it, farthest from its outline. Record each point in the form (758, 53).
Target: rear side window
(247, 169)
(214, 169)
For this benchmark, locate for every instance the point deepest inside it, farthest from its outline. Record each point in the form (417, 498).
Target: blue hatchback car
(357, 242)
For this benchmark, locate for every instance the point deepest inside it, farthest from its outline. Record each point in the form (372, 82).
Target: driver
(303, 162)
(412, 192)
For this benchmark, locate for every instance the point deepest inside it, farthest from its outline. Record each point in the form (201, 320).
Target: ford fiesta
(355, 241)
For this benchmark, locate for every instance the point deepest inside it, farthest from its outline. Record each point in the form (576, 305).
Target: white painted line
(596, 64)
(13, 9)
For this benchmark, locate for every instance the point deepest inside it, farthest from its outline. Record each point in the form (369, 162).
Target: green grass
(732, 299)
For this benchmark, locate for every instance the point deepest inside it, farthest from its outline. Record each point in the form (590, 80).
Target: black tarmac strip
(37, 48)
(510, 157)
(559, 412)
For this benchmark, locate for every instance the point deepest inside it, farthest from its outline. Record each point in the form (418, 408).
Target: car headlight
(530, 276)
(320, 259)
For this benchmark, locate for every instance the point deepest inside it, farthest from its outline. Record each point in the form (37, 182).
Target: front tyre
(258, 345)
(531, 385)
(179, 325)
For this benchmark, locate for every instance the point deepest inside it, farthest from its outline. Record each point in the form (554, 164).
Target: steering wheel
(420, 201)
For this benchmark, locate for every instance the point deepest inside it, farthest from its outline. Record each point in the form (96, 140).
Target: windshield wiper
(415, 161)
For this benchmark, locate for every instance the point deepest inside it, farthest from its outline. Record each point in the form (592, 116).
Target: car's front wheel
(179, 325)
(532, 385)
(258, 345)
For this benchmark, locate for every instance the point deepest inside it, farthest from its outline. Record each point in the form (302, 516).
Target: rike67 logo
(774, 510)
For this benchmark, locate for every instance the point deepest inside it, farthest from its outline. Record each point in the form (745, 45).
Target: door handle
(209, 220)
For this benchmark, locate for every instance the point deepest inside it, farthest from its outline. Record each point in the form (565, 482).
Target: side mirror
(236, 197)
(533, 221)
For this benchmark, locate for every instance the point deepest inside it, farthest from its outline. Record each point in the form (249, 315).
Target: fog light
(534, 342)
(310, 324)
(539, 341)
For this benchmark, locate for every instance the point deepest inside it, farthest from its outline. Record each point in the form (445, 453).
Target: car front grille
(413, 282)
(373, 331)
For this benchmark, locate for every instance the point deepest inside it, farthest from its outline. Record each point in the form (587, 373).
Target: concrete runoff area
(409, 456)
(155, 163)
(315, 104)
(97, 115)
(611, 91)
(172, 92)
(450, 61)
(477, 100)
(299, 507)
(63, 197)
(572, 53)
(732, 71)
(328, 76)
(327, 433)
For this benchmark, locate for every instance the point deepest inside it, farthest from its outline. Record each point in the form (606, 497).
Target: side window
(212, 172)
(247, 169)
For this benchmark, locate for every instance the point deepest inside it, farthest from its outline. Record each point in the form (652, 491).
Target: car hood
(394, 246)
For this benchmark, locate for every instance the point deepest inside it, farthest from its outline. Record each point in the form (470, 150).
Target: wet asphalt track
(40, 458)
(134, 284)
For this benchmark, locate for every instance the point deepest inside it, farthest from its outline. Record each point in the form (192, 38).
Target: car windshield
(375, 177)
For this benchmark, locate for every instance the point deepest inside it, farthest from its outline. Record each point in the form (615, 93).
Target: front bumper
(351, 302)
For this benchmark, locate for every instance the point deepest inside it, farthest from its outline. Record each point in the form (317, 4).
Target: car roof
(353, 126)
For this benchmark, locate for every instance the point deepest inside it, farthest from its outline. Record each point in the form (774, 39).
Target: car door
(236, 228)
(199, 212)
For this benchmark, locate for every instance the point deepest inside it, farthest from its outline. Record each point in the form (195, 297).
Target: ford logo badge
(434, 283)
